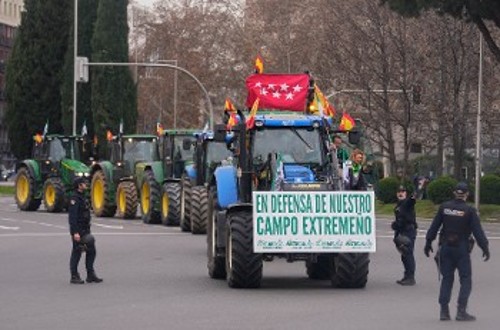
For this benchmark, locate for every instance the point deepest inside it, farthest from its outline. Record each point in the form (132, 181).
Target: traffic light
(417, 90)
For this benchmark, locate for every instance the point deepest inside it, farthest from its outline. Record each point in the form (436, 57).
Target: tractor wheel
(319, 270)
(126, 200)
(25, 191)
(53, 195)
(185, 222)
(171, 204)
(100, 196)
(244, 268)
(150, 195)
(350, 270)
(216, 259)
(199, 208)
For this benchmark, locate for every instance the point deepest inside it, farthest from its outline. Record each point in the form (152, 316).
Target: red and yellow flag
(95, 140)
(259, 65)
(346, 122)
(38, 138)
(229, 106)
(326, 109)
(230, 109)
(251, 116)
(159, 129)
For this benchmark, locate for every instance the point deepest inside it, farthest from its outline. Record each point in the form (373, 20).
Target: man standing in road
(457, 220)
(82, 239)
(405, 233)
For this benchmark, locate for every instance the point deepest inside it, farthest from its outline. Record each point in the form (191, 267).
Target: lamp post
(75, 53)
(478, 124)
(175, 88)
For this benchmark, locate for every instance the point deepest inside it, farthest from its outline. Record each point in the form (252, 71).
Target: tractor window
(179, 152)
(296, 145)
(144, 150)
(217, 152)
(57, 151)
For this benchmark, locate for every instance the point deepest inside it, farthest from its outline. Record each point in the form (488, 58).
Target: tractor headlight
(316, 124)
(79, 174)
(86, 174)
(259, 123)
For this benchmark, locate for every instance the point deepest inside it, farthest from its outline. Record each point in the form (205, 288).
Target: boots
(75, 279)
(406, 281)
(92, 277)
(444, 315)
(462, 315)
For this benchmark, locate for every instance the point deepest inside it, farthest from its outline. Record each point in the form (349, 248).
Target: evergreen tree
(113, 90)
(33, 77)
(87, 14)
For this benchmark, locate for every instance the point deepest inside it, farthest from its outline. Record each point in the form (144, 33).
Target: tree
(113, 90)
(87, 14)
(34, 76)
(479, 12)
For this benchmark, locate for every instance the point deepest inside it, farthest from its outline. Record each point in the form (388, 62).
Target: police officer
(79, 227)
(457, 221)
(405, 233)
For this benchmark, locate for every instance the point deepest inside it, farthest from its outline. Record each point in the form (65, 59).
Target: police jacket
(458, 220)
(79, 214)
(404, 213)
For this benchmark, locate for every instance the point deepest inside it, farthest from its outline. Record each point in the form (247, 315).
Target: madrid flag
(278, 91)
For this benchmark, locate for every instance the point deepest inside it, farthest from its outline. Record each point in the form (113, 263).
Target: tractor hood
(75, 166)
(298, 174)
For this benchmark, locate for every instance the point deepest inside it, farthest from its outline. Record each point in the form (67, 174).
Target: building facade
(10, 18)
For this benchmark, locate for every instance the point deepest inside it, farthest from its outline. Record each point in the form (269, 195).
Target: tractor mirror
(186, 144)
(354, 137)
(220, 133)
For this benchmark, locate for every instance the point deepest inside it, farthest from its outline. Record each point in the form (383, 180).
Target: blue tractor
(299, 144)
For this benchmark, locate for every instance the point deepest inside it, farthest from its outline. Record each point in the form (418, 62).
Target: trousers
(453, 258)
(76, 254)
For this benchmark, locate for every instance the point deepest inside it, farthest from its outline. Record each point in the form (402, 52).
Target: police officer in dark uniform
(79, 227)
(405, 233)
(457, 221)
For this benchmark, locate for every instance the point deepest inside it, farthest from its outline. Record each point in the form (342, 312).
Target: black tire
(53, 195)
(244, 268)
(185, 221)
(126, 200)
(100, 196)
(216, 257)
(150, 196)
(320, 270)
(26, 191)
(199, 210)
(171, 204)
(350, 270)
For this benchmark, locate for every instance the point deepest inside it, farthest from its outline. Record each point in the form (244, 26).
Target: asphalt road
(155, 278)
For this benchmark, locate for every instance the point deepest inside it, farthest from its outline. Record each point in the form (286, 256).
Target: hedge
(388, 187)
(490, 189)
(441, 189)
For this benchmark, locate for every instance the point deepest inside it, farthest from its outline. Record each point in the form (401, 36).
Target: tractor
(131, 173)
(176, 188)
(48, 176)
(208, 155)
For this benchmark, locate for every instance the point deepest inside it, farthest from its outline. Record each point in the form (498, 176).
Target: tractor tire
(126, 200)
(171, 204)
(350, 270)
(185, 222)
(216, 259)
(150, 195)
(54, 198)
(320, 270)
(100, 196)
(199, 210)
(25, 191)
(244, 268)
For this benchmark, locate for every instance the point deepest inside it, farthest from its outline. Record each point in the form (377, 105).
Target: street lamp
(478, 124)
(175, 88)
(75, 54)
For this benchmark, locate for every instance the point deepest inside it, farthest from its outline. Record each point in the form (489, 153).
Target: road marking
(8, 219)
(107, 226)
(96, 234)
(9, 228)
(50, 225)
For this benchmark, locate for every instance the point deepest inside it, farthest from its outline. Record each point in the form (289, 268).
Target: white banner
(319, 221)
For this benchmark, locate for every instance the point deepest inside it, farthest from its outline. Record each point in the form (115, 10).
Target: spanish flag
(326, 108)
(346, 122)
(38, 138)
(229, 106)
(250, 123)
(159, 129)
(259, 65)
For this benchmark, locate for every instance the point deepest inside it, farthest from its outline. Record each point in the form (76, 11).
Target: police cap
(402, 188)
(461, 188)
(78, 180)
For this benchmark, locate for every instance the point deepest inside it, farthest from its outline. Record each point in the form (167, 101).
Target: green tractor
(176, 189)
(49, 175)
(132, 172)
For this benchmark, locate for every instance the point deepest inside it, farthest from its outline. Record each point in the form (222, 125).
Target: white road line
(50, 225)
(96, 234)
(9, 228)
(8, 219)
(106, 226)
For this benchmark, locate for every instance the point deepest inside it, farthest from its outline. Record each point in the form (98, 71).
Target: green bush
(441, 189)
(490, 189)
(388, 187)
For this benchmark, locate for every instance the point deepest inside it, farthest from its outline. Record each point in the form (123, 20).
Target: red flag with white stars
(278, 91)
